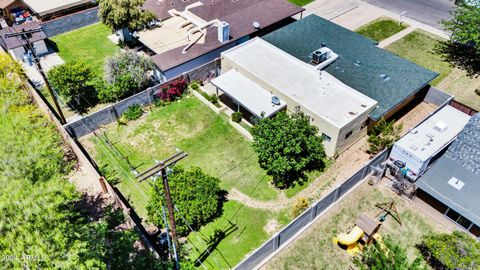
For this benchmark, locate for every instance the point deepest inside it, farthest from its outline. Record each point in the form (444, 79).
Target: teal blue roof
(377, 73)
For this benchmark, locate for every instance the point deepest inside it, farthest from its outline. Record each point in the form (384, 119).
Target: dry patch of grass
(314, 248)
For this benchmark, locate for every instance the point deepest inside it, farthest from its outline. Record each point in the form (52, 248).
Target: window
(348, 134)
(326, 138)
(475, 230)
(453, 214)
(465, 223)
(364, 124)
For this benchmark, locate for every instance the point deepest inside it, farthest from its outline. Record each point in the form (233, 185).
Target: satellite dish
(256, 25)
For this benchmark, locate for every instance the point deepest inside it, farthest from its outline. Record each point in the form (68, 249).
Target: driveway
(430, 12)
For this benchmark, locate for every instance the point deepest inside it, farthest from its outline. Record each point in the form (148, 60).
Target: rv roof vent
(440, 126)
(275, 100)
(414, 131)
(429, 135)
(456, 183)
(414, 147)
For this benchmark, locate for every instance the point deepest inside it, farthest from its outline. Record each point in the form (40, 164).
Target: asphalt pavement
(430, 12)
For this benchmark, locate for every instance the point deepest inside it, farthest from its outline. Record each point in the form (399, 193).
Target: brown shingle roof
(9, 43)
(240, 14)
(6, 3)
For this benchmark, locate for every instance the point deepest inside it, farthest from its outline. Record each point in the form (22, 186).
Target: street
(430, 12)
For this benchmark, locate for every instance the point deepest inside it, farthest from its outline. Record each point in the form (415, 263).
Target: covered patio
(246, 95)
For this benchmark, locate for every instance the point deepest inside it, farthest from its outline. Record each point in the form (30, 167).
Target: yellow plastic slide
(349, 240)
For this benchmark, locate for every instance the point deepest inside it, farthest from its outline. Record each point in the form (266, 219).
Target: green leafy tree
(129, 65)
(457, 250)
(288, 147)
(74, 82)
(119, 14)
(45, 223)
(391, 256)
(196, 194)
(383, 135)
(464, 25)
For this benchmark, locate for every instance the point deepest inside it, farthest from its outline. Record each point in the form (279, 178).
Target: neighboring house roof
(46, 7)
(15, 42)
(455, 178)
(5, 3)
(377, 73)
(239, 14)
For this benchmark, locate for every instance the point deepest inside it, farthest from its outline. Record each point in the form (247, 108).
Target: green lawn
(88, 44)
(212, 144)
(314, 248)
(300, 2)
(419, 47)
(381, 28)
(215, 146)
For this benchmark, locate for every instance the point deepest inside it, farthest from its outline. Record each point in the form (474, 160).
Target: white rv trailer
(412, 154)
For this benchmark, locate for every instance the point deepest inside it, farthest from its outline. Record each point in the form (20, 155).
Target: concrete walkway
(384, 43)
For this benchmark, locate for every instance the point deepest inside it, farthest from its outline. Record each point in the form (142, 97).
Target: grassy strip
(381, 29)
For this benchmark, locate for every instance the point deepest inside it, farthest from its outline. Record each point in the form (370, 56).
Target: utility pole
(26, 35)
(161, 168)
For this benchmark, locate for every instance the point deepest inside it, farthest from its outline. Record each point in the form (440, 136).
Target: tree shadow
(463, 56)
(213, 241)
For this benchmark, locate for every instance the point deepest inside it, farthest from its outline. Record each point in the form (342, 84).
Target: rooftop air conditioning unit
(276, 100)
(319, 56)
(440, 126)
(223, 32)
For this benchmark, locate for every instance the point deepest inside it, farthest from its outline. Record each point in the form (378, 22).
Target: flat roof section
(45, 7)
(377, 73)
(250, 95)
(438, 130)
(326, 97)
(168, 36)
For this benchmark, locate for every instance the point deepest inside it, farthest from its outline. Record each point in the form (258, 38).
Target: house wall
(336, 143)
(200, 61)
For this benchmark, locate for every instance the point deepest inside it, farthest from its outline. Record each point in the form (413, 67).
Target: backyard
(215, 146)
(88, 44)
(314, 248)
(420, 47)
(381, 28)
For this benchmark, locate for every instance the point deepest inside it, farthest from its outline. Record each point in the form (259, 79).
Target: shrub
(112, 92)
(301, 204)
(75, 83)
(383, 135)
(237, 117)
(457, 250)
(194, 86)
(213, 99)
(173, 90)
(133, 112)
(136, 66)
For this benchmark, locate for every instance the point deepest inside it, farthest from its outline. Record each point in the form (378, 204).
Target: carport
(248, 95)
